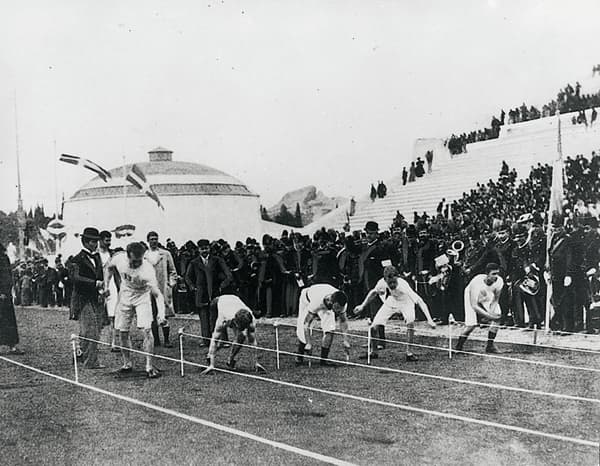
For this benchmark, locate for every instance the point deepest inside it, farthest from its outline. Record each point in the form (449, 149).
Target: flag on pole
(137, 178)
(85, 163)
(557, 193)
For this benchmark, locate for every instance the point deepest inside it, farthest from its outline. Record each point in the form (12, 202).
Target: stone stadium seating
(520, 145)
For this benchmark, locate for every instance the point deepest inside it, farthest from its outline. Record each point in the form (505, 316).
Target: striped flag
(85, 163)
(137, 178)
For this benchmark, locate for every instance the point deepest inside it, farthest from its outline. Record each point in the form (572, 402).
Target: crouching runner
(324, 302)
(398, 298)
(234, 314)
(138, 281)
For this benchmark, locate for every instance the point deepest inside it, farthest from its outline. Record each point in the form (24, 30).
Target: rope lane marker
(421, 374)
(187, 417)
(484, 355)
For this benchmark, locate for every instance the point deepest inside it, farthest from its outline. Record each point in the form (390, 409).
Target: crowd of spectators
(499, 221)
(568, 99)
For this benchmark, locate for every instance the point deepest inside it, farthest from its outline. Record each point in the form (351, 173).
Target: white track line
(456, 417)
(420, 374)
(187, 417)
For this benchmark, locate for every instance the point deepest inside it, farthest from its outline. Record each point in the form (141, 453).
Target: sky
(280, 94)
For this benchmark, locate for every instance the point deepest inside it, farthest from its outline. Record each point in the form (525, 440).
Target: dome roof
(167, 177)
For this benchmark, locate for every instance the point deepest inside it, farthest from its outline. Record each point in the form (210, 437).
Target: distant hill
(313, 204)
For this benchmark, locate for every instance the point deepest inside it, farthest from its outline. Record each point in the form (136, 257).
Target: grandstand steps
(521, 145)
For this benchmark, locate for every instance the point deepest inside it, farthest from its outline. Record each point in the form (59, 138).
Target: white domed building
(199, 202)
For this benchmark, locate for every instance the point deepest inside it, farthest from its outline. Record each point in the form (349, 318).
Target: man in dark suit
(207, 276)
(560, 254)
(370, 270)
(87, 304)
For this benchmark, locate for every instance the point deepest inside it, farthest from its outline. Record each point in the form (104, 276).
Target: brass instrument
(530, 283)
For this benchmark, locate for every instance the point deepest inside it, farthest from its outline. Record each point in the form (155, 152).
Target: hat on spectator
(203, 243)
(371, 226)
(525, 218)
(90, 233)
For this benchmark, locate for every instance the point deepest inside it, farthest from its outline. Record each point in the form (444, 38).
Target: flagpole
(555, 201)
(21, 221)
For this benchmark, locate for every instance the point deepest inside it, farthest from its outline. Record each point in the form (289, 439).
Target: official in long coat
(206, 276)
(166, 277)
(86, 301)
(9, 335)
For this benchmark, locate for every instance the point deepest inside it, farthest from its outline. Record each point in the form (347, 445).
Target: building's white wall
(184, 218)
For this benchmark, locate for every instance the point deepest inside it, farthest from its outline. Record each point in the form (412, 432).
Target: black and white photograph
(267, 232)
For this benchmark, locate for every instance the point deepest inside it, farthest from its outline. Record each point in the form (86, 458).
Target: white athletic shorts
(386, 311)
(141, 308)
(471, 317)
(327, 318)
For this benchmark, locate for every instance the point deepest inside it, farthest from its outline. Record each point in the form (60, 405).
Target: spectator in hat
(370, 269)
(87, 307)
(206, 276)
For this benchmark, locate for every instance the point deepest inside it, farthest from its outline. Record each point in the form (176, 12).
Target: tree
(298, 216)
(284, 217)
(264, 214)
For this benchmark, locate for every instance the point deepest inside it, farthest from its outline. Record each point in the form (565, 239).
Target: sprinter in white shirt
(326, 303)
(234, 314)
(138, 281)
(398, 298)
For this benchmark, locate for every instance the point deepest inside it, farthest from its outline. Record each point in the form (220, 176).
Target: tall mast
(20, 212)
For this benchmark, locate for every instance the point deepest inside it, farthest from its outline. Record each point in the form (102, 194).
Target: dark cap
(105, 234)
(371, 226)
(90, 233)
(203, 243)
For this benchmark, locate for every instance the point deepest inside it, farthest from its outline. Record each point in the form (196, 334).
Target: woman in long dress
(9, 336)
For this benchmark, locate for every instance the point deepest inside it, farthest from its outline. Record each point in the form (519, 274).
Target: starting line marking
(187, 417)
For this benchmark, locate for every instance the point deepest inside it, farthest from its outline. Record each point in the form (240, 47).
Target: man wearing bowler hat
(87, 305)
(207, 276)
(374, 257)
